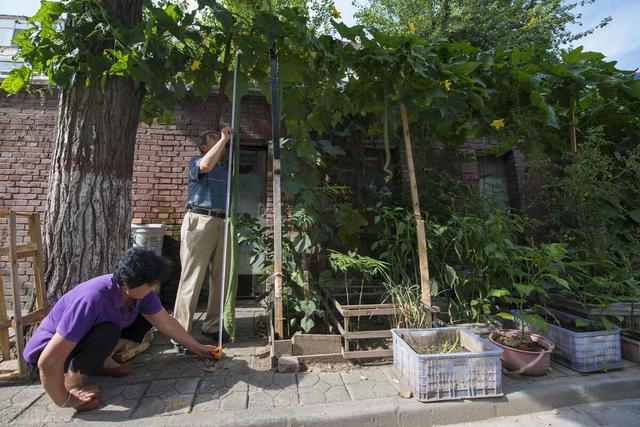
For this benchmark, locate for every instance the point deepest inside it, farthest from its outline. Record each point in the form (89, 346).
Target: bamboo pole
(420, 231)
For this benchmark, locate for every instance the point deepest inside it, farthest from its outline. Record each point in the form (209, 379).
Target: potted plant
(528, 270)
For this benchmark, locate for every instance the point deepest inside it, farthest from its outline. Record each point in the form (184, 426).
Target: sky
(619, 41)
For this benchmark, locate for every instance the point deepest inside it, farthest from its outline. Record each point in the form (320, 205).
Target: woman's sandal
(119, 371)
(90, 405)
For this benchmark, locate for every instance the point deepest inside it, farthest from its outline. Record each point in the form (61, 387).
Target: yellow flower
(498, 123)
(336, 14)
(447, 85)
(195, 65)
(412, 26)
(531, 23)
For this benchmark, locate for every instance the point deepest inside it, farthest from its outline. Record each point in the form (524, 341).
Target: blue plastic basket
(582, 351)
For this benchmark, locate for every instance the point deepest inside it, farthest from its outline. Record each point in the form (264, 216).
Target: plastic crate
(434, 377)
(582, 351)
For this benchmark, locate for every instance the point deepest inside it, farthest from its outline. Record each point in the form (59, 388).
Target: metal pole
(228, 202)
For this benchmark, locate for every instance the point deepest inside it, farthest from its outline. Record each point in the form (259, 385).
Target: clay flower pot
(523, 362)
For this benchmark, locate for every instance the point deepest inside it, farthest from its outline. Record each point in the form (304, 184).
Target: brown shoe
(119, 371)
(90, 405)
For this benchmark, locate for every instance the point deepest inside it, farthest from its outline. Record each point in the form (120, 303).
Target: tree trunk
(88, 215)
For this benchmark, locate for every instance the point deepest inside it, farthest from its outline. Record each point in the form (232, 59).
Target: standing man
(202, 232)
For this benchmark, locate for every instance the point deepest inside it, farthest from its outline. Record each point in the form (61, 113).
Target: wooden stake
(38, 266)
(4, 326)
(422, 241)
(17, 304)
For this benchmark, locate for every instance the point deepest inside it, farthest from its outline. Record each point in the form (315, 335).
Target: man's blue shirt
(207, 190)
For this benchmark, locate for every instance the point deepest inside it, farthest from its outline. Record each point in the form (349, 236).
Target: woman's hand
(204, 351)
(81, 395)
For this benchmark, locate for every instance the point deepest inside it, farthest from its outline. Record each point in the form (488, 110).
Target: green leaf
(523, 289)
(17, 80)
(490, 248)
(350, 33)
(608, 324)
(302, 242)
(560, 281)
(465, 68)
(635, 215)
(536, 321)
(306, 324)
(308, 306)
(450, 275)
(498, 293)
(330, 149)
(506, 315)
(297, 278)
(269, 25)
(306, 151)
(224, 17)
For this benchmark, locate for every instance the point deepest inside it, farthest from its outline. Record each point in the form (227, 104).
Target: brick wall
(464, 165)
(159, 181)
(26, 130)
(162, 154)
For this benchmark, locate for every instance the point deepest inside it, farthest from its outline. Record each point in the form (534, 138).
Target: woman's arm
(170, 327)
(51, 367)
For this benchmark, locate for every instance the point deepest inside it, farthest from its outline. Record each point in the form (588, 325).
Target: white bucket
(148, 236)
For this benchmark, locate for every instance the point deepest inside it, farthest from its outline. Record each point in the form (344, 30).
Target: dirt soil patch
(435, 344)
(520, 343)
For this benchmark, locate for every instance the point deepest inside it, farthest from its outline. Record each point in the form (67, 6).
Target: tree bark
(88, 214)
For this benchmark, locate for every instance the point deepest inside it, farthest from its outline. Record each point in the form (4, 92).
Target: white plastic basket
(582, 351)
(148, 236)
(434, 377)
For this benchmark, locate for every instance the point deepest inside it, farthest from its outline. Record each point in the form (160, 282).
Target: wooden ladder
(14, 252)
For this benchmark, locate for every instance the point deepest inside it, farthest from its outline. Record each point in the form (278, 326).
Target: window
(492, 179)
(15, 34)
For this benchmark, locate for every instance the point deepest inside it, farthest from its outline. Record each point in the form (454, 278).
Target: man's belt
(204, 211)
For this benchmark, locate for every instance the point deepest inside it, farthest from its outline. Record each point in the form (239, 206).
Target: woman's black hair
(137, 266)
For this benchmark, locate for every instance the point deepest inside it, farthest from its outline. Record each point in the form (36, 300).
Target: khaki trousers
(201, 245)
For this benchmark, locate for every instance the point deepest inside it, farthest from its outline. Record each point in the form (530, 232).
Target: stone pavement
(167, 388)
(619, 413)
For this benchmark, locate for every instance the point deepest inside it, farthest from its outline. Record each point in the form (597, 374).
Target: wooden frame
(343, 314)
(14, 252)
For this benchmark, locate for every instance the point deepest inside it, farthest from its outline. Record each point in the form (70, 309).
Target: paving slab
(222, 392)
(168, 397)
(272, 390)
(119, 402)
(315, 388)
(44, 411)
(16, 397)
(368, 383)
(619, 413)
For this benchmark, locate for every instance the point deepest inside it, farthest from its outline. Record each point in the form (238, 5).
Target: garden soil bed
(439, 344)
(520, 343)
